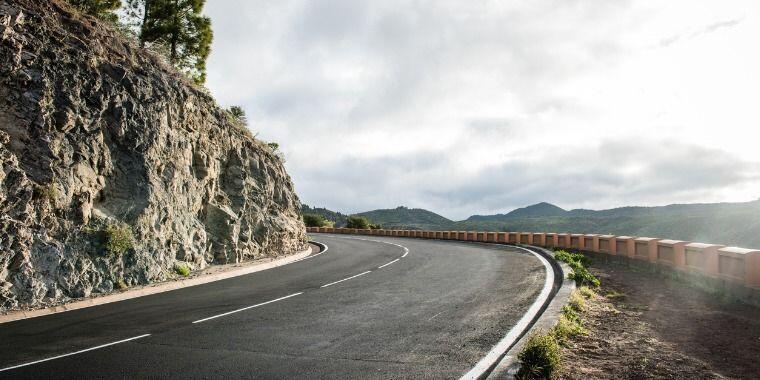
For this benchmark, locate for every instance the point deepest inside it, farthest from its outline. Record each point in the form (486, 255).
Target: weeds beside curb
(540, 357)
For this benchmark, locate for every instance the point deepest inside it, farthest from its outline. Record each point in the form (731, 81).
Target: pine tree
(238, 114)
(180, 27)
(103, 9)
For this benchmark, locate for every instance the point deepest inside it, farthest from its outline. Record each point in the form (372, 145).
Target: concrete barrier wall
(732, 264)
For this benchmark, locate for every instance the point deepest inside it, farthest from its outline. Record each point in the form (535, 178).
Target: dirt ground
(645, 326)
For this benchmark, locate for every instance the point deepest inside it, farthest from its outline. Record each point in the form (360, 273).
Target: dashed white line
(75, 353)
(406, 250)
(248, 307)
(345, 279)
(386, 264)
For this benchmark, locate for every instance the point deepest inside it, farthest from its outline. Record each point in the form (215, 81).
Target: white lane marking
(313, 256)
(493, 356)
(386, 264)
(248, 307)
(74, 353)
(345, 279)
(406, 250)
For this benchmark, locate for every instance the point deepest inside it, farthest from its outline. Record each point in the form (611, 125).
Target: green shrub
(572, 256)
(117, 238)
(314, 220)
(582, 276)
(539, 358)
(273, 146)
(356, 221)
(577, 262)
(121, 284)
(181, 269)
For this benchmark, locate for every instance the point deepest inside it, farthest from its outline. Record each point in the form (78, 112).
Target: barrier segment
(702, 258)
(539, 239)
(591, 243)
(607, 244)
(740, 265)
(645, 248)
(672, 252)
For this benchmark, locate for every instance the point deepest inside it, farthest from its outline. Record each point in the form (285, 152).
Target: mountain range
(721, 223)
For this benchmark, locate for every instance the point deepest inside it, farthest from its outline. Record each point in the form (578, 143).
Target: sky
(480, 107)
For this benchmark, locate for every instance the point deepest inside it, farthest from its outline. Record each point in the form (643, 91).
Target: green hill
(539, 209)
(412, 218)
(722, 223)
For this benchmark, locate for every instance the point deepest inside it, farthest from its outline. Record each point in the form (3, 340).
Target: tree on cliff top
(181, 28)
(360, 222)
(103, 9)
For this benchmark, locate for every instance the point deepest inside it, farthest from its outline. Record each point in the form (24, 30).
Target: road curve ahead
(374, 307)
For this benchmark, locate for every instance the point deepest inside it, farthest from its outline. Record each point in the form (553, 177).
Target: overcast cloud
(466, 107)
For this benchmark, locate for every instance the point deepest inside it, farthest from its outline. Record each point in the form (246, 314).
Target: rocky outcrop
(115, 168)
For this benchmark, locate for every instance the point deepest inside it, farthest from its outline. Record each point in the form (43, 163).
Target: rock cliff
(115, 169)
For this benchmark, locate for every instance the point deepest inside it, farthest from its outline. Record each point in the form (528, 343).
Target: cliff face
(97, 135)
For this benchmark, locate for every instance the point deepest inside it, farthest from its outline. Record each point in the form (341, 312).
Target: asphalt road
(433, 313)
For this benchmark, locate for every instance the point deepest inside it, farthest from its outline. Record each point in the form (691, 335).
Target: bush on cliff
(118, 238)
(181, 270)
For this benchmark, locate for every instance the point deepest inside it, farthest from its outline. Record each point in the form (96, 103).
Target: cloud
(606, 175)
(707, 29)
(480, 107)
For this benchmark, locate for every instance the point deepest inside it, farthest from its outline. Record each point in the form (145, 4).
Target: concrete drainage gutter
(146, 290)
(508, 366)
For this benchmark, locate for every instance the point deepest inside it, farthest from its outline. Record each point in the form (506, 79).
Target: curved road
(407, 308)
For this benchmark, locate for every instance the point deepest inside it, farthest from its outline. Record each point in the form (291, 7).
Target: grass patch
(614, 294)
(577, 302)
(539, 358)
(586, 292)
(118, 238)
(48, 193)
(578, 264)
(181, 269)
(568, 327)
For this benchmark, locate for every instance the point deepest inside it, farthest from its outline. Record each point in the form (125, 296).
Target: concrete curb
(509, 365)
(156, 288)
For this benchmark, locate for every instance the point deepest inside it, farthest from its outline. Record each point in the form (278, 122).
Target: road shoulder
(210, 274)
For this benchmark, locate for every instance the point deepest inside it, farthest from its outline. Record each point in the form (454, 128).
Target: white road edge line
(493, 356)
(313, 256)
(345, 279)
(386, 264)
(248, 307)
(74, 353)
